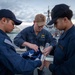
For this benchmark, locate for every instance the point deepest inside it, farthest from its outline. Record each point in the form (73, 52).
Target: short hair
(40, 18)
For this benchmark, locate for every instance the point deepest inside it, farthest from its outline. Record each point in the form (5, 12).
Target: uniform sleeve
(13, 61)
(20, 38)
(68, 66)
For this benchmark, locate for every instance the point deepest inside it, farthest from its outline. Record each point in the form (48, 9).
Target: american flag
(31, 54)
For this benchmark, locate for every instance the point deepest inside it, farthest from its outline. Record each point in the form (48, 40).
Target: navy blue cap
(9, 14)
(57, 12)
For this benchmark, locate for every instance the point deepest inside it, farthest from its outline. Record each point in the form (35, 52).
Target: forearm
(26, 44)
(30, 45)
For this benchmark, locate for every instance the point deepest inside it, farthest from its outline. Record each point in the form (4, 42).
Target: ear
(65, 18)
(33, 21)
(4, 20)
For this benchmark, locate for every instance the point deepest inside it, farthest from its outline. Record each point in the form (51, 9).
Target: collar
(5, 35)
(1, 31)
(65, 33)
(32, 28)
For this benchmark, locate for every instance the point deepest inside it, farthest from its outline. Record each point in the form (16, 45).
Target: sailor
(64, 55)
(35, 36)
(12, 63)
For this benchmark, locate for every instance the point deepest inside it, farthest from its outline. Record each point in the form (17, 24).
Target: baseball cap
(57, 12)
(9, 14)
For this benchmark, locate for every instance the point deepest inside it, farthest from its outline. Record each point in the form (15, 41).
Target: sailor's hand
(42, 60)
(30, 45)
(46, 63)
(42, 66)
(47, 50)
(34, 47)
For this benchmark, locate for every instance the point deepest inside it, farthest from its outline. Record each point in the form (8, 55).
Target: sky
(26, 10)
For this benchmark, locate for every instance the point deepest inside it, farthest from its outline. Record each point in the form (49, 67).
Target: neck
(1, 27)
(68, 26)
(35, 31)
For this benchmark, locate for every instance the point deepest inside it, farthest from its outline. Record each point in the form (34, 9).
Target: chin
(8, 31)
(39, 30)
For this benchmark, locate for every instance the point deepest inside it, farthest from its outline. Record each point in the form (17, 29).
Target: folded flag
(31, 54)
